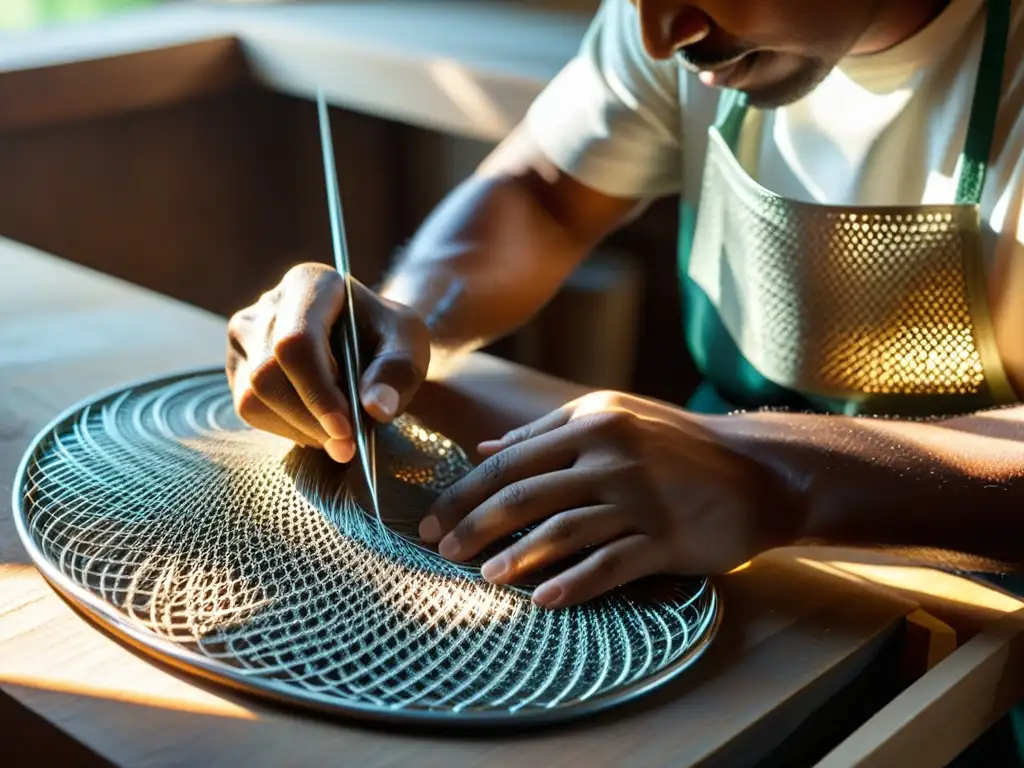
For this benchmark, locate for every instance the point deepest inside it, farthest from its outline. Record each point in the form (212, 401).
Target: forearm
(932, 488)
(499, 247)
(484, 262)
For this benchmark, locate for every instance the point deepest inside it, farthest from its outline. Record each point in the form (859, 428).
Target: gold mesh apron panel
(840, 302)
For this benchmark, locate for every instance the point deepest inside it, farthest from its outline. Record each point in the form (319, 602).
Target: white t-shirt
(883, 129)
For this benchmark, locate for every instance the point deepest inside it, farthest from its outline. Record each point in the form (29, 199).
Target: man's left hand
(647, 488)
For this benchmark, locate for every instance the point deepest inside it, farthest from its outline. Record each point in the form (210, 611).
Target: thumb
(399, 363)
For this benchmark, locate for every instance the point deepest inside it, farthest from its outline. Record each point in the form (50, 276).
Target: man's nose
(668, 25)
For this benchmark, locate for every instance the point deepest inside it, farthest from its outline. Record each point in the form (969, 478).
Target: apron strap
(973, 164)
(732, 111)
(982, 126)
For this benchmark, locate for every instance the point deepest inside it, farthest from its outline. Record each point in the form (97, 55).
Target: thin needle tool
(365, 442)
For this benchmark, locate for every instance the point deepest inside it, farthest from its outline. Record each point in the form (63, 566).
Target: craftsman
(853, 278)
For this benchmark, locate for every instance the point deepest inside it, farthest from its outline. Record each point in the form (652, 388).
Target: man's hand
(648, 488)
(284, 376)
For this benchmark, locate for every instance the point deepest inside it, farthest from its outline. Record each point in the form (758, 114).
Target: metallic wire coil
(234, 555)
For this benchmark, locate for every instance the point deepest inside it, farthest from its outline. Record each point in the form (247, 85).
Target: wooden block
(927, 642)
(941, 714)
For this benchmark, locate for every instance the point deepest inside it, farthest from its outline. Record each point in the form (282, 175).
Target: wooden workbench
(797, 630)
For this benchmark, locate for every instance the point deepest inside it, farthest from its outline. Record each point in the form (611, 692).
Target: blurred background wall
(210, 197)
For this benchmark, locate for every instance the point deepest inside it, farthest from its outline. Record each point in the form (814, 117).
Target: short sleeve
(611, 117)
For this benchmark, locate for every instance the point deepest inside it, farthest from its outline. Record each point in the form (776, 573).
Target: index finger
(546, 423)
(541, 455)
(301, 339)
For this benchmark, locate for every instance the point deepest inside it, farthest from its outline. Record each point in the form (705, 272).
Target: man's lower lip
(727, 77)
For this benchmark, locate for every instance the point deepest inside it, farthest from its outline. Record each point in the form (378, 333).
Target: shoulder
(611, 118)
(614, 44)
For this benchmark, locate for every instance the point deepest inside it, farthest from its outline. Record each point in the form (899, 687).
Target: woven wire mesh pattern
(835, 301)
(252, 560)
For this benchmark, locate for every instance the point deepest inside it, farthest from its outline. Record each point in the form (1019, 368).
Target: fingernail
(489, 445)
(449, 548)
(384, 397)
(430, 529)
(336, 426)
(341, 451)
(547, 595)
(494, 568)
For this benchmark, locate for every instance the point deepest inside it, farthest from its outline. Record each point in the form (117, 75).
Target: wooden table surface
(795, 631)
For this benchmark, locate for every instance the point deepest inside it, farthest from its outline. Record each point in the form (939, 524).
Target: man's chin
(790, 89)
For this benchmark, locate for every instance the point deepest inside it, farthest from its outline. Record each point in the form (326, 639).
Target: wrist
(855, 482)
(786, 464)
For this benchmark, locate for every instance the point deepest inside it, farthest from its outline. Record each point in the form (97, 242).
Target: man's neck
(898, 22)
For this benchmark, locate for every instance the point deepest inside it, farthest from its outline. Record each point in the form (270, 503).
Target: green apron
(839, 309)
(856, 310)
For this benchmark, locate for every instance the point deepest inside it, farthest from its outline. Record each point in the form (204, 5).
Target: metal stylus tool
(364, 438)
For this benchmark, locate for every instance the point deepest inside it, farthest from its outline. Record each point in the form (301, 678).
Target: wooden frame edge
(83, 90)
(947, 709)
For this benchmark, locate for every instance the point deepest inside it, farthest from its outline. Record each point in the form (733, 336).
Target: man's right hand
(283, 373)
